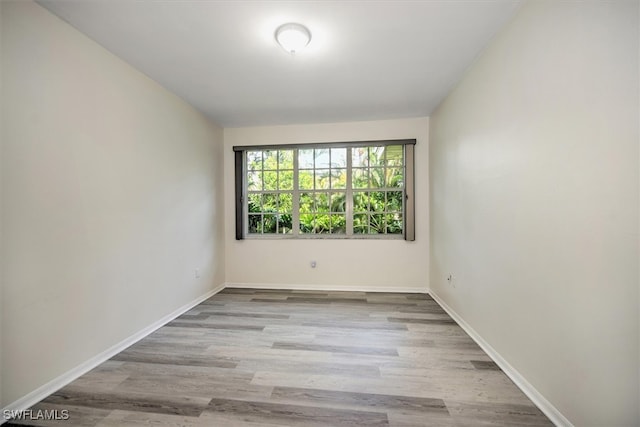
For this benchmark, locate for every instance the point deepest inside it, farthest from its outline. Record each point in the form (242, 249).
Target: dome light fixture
(293, 37)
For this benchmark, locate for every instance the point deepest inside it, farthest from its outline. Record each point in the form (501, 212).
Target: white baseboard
(305, 287)
(52, 386)
(538, 399)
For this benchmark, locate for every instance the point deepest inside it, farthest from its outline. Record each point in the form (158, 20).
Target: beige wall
(111, 194)
(341, 264)
(534, 204)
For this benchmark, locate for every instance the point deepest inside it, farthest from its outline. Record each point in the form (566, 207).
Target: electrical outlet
(450, 279)
(197, 273)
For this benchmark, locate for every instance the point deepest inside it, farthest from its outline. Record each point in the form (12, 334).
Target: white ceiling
(367, 60)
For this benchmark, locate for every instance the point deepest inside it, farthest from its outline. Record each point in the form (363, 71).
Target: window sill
(326, 237)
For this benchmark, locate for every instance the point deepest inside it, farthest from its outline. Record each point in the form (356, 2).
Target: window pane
(359, 157)
(255, 223)
(322, 202)
(338, 157)
(285, 159)
(361, 223)
(254, 160)
(394, 177)
(285, 224)
(394, 201)
(285, 180)
(376, 156)
(305, 159)
(338, 202)
(306, 203)
(360, 201)
(322, 158)
(270, 202)
(394, 223)
(270, 180)
(305, 180)
(376, 224)
(338, 178)
(322, 179)
(269, 223)
(376, 177)
(377, 201)
(285, 203)
(306, 223)
(338, 224)
(394, 155)
(323, 224)
(270, 159)
(255, 202)
(254, 181)
(360, 178)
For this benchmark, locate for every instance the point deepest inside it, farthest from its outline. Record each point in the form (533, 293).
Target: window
(341, 190)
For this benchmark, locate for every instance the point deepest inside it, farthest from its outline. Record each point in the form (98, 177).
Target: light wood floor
(293, 358)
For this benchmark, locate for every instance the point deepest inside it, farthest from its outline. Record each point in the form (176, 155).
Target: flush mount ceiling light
(293, 37)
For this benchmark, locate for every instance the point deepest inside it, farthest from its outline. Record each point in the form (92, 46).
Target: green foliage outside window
(377, 190)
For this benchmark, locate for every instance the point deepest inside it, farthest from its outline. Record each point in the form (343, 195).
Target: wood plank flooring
(248, 357)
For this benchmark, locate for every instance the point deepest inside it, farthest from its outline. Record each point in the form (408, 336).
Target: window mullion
(262, 197)
(349, 201)
(295, 203)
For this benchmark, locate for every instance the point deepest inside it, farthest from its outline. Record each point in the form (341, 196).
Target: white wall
(534, 204)
(111, 195)
(341, 264)
(1, 202)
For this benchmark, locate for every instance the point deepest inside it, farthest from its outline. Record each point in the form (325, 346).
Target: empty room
(320, 213)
